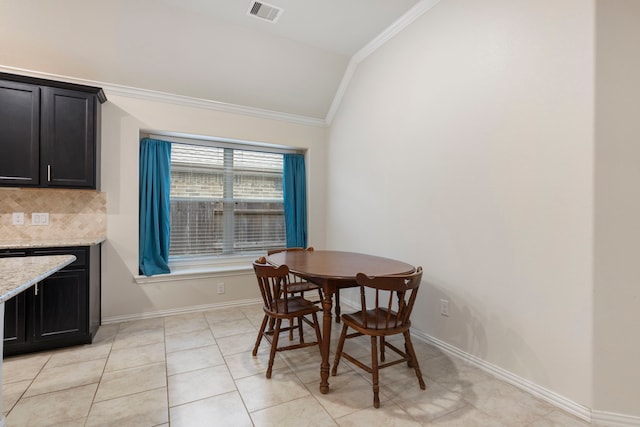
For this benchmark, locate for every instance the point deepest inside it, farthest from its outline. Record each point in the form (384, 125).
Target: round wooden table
(333, 270)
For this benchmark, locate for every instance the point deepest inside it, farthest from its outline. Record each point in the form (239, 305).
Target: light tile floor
(197, 370)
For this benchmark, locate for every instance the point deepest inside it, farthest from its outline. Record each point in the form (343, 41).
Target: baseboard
(182, 310)
(610, 419)
(599, 418)
(553, 398)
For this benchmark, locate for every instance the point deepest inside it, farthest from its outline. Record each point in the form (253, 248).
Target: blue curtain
(295, 200)
(155, 220)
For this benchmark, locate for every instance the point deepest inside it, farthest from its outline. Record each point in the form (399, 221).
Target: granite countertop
(19, 273)
(50, 243)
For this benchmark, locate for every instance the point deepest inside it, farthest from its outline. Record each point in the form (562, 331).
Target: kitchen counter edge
(18, 274)
(54, 243)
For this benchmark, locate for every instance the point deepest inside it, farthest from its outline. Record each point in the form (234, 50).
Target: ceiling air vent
(265, 11)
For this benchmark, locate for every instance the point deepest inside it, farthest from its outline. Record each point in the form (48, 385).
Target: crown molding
(188, 101)
(391, 31)
(151, 95)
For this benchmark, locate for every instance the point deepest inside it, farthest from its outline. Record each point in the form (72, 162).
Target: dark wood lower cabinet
(60, 306)
(14, 321)
(61, 310)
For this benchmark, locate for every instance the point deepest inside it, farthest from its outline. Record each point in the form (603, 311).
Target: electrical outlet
(40, 218)
(221, 288)
(17, 218)
(444, 307)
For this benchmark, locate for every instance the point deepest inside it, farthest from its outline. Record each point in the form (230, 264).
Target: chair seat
(376, 322)
(295, 306)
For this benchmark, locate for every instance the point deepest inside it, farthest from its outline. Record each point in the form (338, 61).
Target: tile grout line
(166, 369)
(235, 383)
(22, 395)
(95, 393)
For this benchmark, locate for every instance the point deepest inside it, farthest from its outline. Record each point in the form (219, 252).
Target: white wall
(465, 145)
(484, 112)
(617, 219)
(122, 119)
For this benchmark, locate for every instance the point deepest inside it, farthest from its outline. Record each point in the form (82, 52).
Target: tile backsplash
(72, 213)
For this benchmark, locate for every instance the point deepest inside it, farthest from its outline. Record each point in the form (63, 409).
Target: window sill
(187, 271)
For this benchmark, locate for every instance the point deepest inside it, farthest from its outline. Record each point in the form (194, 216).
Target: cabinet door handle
(36, 289)
(48, 173)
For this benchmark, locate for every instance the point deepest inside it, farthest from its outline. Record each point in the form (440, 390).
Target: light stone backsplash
(72, 213)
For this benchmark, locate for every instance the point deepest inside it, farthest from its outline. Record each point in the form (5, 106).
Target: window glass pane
(258, 206)
(225, 201)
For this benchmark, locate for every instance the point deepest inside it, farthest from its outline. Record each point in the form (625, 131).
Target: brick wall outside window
(197, 208)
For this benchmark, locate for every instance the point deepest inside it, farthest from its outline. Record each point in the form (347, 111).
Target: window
(225, 201)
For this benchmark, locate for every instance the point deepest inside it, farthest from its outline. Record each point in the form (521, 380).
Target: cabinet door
(68, 138)
(60, 306)
(19, 134)
(14, 309)
(14, 320)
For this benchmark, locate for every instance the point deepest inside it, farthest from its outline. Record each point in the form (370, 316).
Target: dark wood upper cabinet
(19, 133)
(49, 133)
(68, 138)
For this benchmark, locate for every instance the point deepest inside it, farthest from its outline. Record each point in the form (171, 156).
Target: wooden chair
(280, 305)
(389, 315)
(300, 285)
(297, 284)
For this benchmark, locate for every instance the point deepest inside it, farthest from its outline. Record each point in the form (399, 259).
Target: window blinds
(225, 200)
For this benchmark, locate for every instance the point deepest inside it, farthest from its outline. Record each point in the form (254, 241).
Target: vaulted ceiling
(206, 49)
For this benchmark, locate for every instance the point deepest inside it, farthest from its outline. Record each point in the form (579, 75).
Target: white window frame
(211, 265)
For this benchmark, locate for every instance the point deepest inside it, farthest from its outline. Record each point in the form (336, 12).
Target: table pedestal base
(327, 319)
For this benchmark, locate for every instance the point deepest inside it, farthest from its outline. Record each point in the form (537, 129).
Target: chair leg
(299, 324)
(382, 349)
(414, 360)
(260, 334)
(406, 350)
(316, 326)
(374, 371)
(274, 346)
(337, 294)
(336, 361)
(300, 332)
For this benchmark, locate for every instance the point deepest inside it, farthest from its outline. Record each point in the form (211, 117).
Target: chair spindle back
(394, 299)
(272, 282)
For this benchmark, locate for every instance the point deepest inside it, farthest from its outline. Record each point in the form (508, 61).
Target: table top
(338, 265)
(19, 273)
